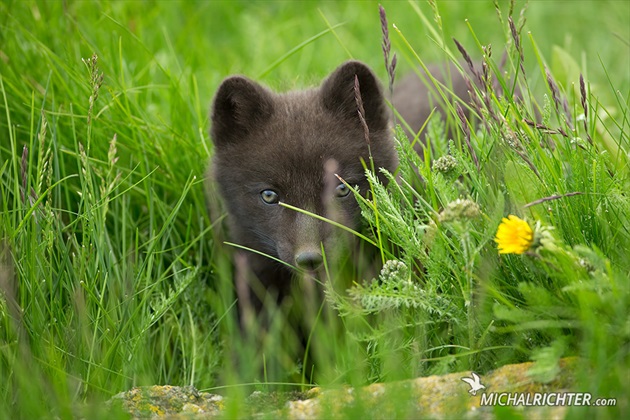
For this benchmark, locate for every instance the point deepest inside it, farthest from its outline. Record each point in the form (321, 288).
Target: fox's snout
(308, 235)
(309, 260)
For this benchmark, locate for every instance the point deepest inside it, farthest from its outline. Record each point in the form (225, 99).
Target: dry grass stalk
(558, 102)
(466, 130)
(361, 110)
(517, 44)
(544, 128)
(552, 197)
(585, 108)
(469, 61)
(390, 66)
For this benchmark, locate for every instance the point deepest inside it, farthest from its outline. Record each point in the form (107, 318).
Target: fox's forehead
(299, 111)
(297, 100)
(301, 124)
(313, 147)
(302, 170)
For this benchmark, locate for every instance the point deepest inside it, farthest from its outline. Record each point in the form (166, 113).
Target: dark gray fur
(415, 101)
(284, 142)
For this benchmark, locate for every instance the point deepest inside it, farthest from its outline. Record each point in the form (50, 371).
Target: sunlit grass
(112, 275)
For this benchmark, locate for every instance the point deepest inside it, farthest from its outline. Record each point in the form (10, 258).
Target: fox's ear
(339, 97)
(240, 105)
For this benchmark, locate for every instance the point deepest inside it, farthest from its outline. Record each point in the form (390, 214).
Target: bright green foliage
(112, 275)
(568, 295)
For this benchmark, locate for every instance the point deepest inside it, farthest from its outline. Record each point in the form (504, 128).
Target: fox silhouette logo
(475, 384)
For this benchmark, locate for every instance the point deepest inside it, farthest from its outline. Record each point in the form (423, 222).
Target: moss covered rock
(444, 396)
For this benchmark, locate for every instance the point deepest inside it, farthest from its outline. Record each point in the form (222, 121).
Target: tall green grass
(110, 272)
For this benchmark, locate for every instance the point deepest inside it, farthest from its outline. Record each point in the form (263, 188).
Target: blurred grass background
(108, 266)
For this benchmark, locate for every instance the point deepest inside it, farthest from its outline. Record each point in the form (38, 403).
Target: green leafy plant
(113, 276)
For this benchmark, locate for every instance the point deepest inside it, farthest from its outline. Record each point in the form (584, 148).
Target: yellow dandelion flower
(514, 235)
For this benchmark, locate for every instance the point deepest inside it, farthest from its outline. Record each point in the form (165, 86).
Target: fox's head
(289, 148)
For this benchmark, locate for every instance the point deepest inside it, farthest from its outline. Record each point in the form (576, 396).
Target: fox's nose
(309, 260)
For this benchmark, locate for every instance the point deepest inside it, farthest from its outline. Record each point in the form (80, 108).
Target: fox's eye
(269, 197)
(342, 190)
